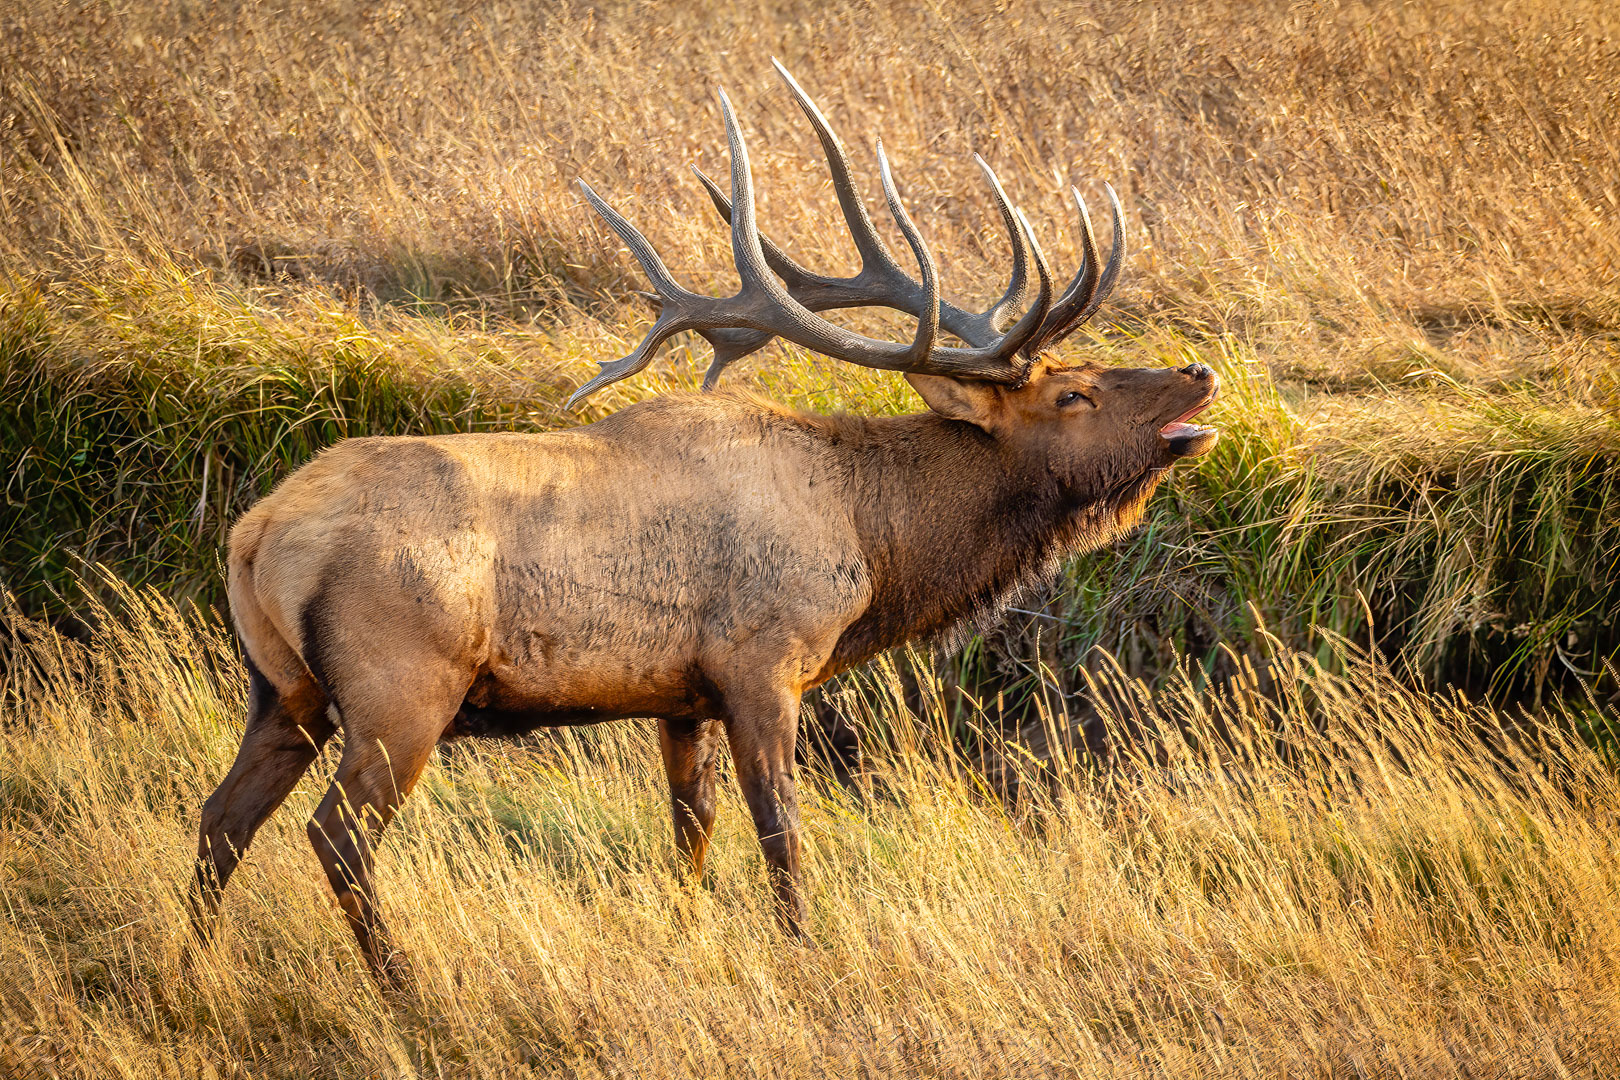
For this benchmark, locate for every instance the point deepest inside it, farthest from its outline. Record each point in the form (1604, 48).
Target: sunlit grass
(1343, 874)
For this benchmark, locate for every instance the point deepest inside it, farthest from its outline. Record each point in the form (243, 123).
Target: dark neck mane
(951, 524)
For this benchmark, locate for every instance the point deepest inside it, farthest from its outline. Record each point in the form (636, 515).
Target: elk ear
(978, 403)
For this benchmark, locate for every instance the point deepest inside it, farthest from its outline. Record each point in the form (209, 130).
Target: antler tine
(672, 299)
(928, 317)
(651, 263)
(874, 253)
(995, 317)
(1024, 330)
(796, 277)
(785, 316)
(746, 250)
(1088, 291)
(731, 345)
(1080, 290)
(1116, 258)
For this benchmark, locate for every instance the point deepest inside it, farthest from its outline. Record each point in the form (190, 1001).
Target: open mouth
(1184, 438)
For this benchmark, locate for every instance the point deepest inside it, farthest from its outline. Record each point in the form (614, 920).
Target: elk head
(1098, 432)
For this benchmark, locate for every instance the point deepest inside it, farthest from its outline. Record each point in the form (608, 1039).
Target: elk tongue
(1186, 440)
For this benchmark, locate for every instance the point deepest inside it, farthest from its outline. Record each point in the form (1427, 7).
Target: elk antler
(766, 307)
(882, 282)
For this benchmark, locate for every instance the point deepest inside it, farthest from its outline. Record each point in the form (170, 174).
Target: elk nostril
(1198, 371)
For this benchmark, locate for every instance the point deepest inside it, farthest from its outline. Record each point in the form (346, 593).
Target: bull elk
(699, 558)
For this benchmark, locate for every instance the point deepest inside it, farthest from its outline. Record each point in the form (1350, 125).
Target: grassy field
(1350, 880)
(232, 235)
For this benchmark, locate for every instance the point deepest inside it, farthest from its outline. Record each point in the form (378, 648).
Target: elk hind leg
(284, 734)
(389, 734)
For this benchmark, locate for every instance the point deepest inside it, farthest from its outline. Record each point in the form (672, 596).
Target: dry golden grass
(1355, 189)
(1355, 886)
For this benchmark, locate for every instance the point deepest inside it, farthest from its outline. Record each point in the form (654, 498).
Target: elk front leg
(689, 748)
(761, 730)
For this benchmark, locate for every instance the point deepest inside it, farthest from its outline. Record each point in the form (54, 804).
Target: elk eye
(1069, 397)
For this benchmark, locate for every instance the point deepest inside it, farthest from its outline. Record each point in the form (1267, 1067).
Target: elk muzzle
(1189, 440)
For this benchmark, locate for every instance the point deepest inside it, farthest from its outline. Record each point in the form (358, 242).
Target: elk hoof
(394, 975)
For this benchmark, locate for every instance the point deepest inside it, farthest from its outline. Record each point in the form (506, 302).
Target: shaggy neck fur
(952, 522)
